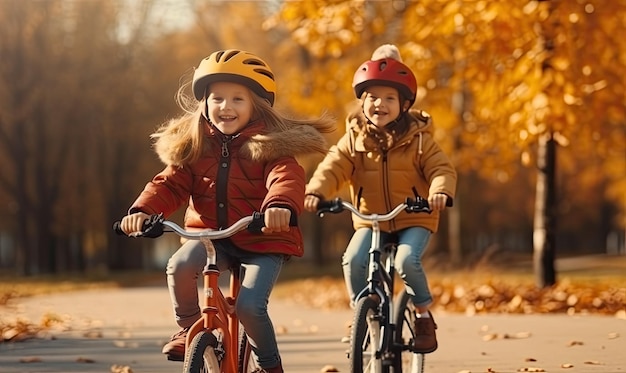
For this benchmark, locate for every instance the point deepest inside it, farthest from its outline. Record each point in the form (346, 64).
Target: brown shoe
(175, 348)
(425, 337)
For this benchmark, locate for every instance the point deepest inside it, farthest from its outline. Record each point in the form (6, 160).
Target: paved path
(127, 327)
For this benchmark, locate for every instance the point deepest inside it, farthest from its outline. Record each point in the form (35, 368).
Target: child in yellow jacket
(388, 154)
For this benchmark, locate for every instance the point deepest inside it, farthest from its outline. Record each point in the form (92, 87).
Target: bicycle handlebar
(337, 205)
(153, 227)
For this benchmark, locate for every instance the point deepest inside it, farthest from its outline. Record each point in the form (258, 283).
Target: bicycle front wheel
(365, 338)
(405, 360)
(247, 363)
(200, 355)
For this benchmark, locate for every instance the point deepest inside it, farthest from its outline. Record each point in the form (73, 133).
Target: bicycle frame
(386, 275)
(381, 281)
(218, 312)
(374, 304)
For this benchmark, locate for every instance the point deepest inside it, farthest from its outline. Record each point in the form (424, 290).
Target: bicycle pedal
(175, 358)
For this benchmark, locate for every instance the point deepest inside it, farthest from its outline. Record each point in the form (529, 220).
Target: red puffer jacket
(259, 171)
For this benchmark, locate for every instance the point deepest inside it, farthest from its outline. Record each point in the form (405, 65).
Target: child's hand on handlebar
(276, 220)
(133, 224)
(437, 201)
(310, 203)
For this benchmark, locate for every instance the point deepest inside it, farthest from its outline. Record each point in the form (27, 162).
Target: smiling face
(381, 105)
(229, 106)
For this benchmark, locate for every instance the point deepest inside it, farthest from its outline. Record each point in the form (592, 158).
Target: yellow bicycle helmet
(235, 66)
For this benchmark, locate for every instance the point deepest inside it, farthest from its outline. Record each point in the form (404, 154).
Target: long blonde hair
(180, 140)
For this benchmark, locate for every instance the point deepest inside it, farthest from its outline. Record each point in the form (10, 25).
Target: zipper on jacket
(221, 195)
(385, 166)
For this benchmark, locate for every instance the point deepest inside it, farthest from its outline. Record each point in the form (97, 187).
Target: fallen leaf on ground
(31, 359)
(125, 334)
(125, 344)
(531, 369)
(575, 343)
(121, 369)
(329, 368)
(593, 362)
(85, 360)
(518, 335)
(94, 334)
(567, 365)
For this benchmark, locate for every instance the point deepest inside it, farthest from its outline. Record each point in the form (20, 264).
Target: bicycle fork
(216, 305)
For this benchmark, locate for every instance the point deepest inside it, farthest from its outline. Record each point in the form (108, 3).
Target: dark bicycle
(382, 335)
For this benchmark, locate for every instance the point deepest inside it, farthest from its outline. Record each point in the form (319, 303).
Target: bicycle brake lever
(257, 223)
(418, 205)
(333, 206)
(153, 227)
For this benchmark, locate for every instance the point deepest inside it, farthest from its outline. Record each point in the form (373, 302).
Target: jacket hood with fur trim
(236, 176)
(297, 140)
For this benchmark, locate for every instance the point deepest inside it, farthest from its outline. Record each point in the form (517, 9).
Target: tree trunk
(544, 231)
(459, 103)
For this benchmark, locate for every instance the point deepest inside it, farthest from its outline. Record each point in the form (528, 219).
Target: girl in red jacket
(387, 153)
(231, 154)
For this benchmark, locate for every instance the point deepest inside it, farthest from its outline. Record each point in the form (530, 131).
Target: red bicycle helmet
(385, 72)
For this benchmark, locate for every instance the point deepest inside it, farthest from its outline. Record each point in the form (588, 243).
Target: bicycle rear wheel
(200, 356)
(365, 338)
(247, 363)
(405, 360)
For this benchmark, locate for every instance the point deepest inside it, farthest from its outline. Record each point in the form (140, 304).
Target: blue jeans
(260, 272)
(411, 246)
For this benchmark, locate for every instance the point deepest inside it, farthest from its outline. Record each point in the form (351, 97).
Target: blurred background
(528, 99)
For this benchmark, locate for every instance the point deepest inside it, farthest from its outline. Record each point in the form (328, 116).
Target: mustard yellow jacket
(379, 182)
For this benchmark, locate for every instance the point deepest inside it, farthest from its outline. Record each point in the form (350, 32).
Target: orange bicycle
(216, 343)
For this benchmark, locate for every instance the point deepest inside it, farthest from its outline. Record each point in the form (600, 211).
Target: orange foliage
(497, 75)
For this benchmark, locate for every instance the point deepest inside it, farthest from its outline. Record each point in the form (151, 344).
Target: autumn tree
(535, 82)
(67, 102)
(504, 79)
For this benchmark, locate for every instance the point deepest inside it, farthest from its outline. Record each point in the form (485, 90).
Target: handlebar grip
(152, 227)
(333, 206)
(117, 228)
(258, 222)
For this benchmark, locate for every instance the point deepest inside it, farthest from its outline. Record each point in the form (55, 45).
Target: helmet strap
(205, 112)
